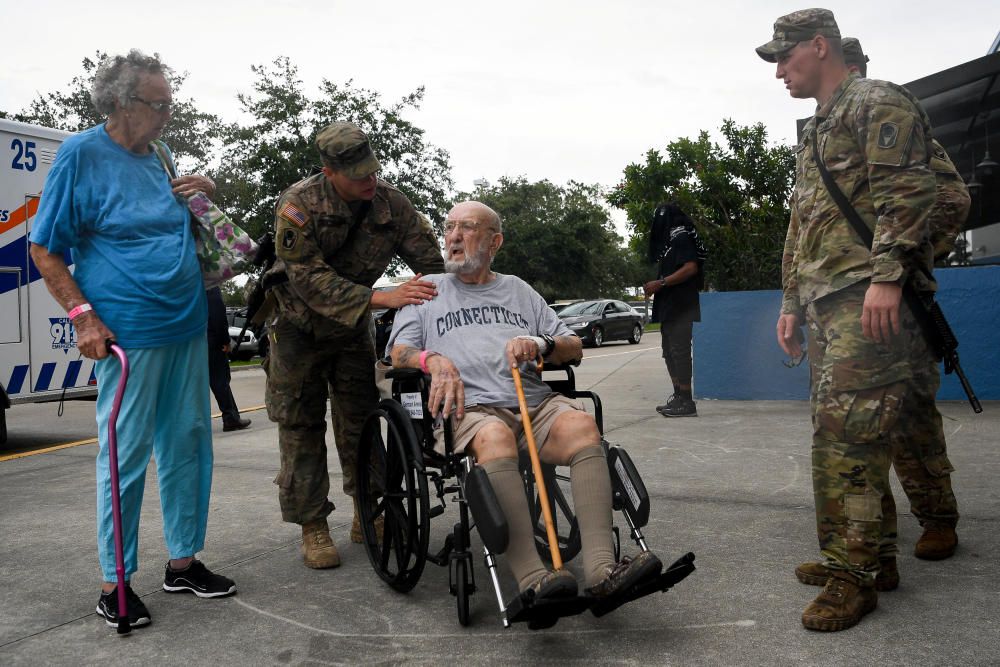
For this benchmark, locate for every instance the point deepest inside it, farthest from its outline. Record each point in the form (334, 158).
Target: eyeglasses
(464, 226)
(792, 363)
(158, 107)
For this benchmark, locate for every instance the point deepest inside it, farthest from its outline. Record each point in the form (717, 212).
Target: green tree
(190, 133)
(560, 240)
(276, 147)
(737, 196)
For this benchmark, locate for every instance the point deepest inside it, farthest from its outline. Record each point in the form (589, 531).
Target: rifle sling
(915, 302)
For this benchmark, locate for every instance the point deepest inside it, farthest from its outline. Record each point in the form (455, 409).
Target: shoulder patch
(888, 133)
(289, 238)
(291, 213)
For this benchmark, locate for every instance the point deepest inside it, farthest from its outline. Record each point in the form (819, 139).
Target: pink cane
(116, 508)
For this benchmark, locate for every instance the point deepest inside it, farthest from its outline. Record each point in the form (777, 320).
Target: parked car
(248, 346)
(255, 341)
(559, 305)
(605, 319)
(642, 313)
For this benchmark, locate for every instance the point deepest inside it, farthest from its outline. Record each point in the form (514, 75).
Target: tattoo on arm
(408, 357)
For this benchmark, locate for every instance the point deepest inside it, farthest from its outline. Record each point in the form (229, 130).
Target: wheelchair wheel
(462, 589)
(391, 487)
(567, 530)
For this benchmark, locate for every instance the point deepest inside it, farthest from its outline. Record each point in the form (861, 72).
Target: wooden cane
(536, 468)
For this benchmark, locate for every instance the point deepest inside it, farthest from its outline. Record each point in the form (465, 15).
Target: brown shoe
(937, 543)
(815, 574)
(557, 584)
(841, 605)
(318, 550)
(626, 573)
(358, 535)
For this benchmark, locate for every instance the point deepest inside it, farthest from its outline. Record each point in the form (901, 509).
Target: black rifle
(929, 316)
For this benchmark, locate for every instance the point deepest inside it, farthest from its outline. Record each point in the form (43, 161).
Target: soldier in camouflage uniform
(868, 358)
(918, 451)
(335, 234)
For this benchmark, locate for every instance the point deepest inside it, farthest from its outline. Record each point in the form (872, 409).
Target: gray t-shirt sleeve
(407, 329)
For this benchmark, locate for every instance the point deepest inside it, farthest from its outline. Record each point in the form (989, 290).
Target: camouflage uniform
(867, 398)
(321, 342)
(918, 453)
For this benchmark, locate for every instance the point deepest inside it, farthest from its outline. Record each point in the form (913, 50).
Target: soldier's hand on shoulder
(413, 291)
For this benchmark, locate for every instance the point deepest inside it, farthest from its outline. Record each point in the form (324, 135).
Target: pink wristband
(423, 360)
(80, 310)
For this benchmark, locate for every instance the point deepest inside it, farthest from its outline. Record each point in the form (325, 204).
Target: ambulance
(38, 354)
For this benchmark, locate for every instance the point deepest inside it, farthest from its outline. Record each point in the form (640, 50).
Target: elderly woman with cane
(110, 202)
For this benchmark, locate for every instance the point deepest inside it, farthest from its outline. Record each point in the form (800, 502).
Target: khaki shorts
(542, 416)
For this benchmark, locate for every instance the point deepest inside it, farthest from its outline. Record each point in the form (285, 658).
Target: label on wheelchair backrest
(413, 404)
(626, 483)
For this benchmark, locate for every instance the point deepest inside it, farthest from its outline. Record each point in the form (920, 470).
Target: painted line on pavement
(744, 623)
(615, 354)
(91, 441)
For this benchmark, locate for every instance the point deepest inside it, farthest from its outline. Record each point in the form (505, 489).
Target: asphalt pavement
(732, 485)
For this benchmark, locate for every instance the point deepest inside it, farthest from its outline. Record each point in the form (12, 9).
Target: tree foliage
(190, 133)
(737, 195)
(276, 147)
(560, 240)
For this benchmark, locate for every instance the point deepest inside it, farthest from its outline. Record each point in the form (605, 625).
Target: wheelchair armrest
(404, 374)
(561, 367)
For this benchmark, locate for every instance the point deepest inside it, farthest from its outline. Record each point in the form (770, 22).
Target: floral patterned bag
(224, 250)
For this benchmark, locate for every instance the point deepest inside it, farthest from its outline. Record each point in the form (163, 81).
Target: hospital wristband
(423, 360)
(80, 310)
(543, 345)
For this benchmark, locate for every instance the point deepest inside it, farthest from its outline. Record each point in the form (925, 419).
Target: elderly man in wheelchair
(480, 326)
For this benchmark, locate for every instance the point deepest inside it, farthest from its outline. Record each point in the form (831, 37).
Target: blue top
(130, 238)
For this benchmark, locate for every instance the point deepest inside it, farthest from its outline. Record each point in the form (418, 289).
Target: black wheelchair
(399, 469)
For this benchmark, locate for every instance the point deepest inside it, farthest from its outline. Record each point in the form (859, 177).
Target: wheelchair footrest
(544, 613)
(679, 570)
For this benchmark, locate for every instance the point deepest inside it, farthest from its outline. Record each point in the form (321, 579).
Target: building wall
(737, 357)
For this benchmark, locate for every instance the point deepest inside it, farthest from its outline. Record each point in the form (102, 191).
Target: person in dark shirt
(218, 362)
(675, 246)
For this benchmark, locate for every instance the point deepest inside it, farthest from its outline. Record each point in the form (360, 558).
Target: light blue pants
(165, 412)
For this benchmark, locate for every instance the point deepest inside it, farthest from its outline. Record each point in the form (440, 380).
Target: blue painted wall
(737, 357)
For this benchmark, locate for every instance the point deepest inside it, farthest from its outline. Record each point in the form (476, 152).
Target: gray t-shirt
(471, 324)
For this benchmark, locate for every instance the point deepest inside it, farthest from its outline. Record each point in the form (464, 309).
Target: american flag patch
(292, 214)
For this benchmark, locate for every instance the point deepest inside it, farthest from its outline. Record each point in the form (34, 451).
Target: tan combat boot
(841, 604)
(318, 550)
(357, 535)
(937, 543)
(815, 573)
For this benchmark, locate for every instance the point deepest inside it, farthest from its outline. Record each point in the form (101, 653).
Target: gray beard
(469, 265)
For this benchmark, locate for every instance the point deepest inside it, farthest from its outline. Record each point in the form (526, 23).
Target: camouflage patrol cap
(797, 27)
(344, 147)
(853, 55)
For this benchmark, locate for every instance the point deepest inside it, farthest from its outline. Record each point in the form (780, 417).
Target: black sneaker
(107, 606)
(199, 580)
(626, 573)
(669, 404)
(684, 407)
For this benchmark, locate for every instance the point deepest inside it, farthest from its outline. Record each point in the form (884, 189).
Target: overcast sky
(548, 89)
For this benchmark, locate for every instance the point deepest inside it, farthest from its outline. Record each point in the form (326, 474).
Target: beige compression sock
(521, 554)
(588, 472)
